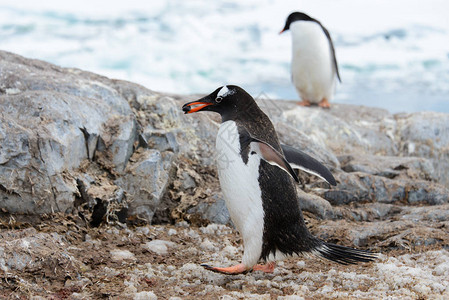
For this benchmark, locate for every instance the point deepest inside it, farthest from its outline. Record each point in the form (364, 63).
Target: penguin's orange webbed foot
(303, 103)
(237, 269)
(324, 103)
(268, 268)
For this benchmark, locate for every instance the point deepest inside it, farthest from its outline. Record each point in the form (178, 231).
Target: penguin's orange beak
(194, 106)
(281, 31)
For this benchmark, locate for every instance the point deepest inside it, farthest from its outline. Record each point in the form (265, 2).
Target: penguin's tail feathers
(343, 255)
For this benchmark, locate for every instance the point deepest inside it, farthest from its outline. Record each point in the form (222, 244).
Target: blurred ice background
(392, 53)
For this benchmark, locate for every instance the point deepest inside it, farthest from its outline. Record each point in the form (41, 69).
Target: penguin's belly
(313, 73)
(240, 186)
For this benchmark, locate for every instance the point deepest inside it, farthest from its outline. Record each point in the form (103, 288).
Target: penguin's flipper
(302, 161)
(273, 157)
(331, 45)
(265, 151)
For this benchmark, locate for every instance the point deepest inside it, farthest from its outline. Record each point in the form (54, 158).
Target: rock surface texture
(93, 151)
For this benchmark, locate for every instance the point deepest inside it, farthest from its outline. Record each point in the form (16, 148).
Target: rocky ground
(108, 191)
(62, 259)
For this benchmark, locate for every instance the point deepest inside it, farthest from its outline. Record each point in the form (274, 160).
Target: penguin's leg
(324, 103)
(252, 242)
(267, 268)
(303, 103)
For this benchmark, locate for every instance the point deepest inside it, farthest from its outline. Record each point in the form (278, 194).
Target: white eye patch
(225, 92)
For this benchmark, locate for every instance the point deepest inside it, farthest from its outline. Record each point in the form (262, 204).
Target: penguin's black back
(284, 227)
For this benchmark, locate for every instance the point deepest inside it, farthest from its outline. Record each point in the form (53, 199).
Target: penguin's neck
(235, 113)
(256, 122)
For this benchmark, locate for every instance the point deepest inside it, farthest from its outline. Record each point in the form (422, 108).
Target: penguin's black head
(229, 101)
(295, 16)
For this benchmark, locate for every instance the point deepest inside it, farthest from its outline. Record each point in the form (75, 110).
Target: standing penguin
(314, 66)
(258, 184)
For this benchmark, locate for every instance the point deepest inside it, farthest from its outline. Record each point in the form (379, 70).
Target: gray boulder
(214, 211)
(426, 134)
(362, 187)
(345, 129)
(55, 124)
(72, 140)
(389, 166)
(145, 181)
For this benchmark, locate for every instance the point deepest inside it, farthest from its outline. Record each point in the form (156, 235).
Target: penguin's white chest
(240, 186)
(313, 71)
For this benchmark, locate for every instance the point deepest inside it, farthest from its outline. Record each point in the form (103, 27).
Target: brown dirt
(89, 270)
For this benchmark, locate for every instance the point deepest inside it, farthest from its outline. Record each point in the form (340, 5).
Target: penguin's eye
(218, 99)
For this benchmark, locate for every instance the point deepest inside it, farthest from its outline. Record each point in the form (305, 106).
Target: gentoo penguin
(314, 66)
(258, 184)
